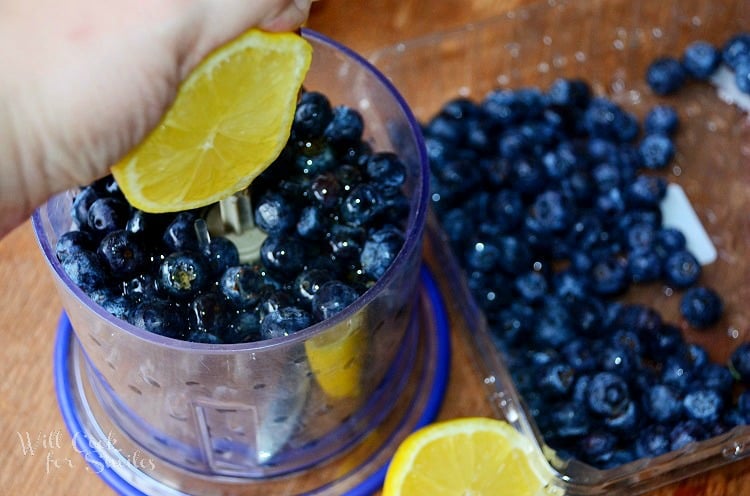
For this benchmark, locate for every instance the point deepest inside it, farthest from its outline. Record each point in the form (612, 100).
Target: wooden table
(30, 309)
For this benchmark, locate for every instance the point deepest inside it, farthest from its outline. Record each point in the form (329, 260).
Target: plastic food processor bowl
(262, 409)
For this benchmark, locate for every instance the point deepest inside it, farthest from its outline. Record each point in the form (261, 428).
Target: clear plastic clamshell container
(609, 44)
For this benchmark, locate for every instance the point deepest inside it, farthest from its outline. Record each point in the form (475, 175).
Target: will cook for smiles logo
(97, 455)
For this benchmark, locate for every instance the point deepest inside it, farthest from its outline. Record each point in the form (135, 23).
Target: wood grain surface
(38, 456)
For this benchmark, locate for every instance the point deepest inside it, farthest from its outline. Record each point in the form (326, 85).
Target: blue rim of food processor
(66, 401)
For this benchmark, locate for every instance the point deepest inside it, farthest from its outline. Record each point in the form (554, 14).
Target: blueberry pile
(550, 201)
(699, 61)
(334, 214)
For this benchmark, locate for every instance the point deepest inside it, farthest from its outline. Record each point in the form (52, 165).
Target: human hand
(84, 81)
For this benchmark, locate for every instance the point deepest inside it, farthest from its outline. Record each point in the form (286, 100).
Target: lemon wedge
(230, 120)
(468, 456)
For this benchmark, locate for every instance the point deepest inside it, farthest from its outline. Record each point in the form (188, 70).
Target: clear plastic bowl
(610, 44)
(262, 409)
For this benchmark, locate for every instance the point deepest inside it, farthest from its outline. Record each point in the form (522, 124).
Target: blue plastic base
(430, 390)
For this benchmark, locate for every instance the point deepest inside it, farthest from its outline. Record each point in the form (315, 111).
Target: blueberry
(502, 107)
(739, 362)
(515, 256)
(71, 241)
(569, 93)
(332, 298)
(122, 253)
(681, 269)
(569, 421)
(686, 432)
(610, 204)
(159, 317)
(141, 287)
(639, 236)
(665, 75)
(700, 59)
(600, 118)
(309, 282)
(346, 126)
(663, 339)
(608, 394)
(644, 265)
(314, 158)
(284, 321)
(119, 306)
(211, 312)
(703, 405)
(146, 224)
(736, 49)
(346, 242)
(445, 128)
(183, 274)
(609, 276)
(274, 215)
(244, 328)
(85, 270)
(607, 176)
(624, 423)
(556, 379)
(222, 254)
(387, 170)
(742, 75)
(597, 447)
(283, 255)
(272, 299)
(618, 359)
(662, 403)
(380, 250)
(656, 150)
(743, 403)
(491, 290)
(529, 176)
(570, 285)
(108, 214)
(549, 213)
(514, 322)
(716, 377)
(242, 285)
(532, 286)
(507, 209)
(82, 202)
(362, 205)
(652, 441)
(677, 372)
(482, 256)
(661, 119)
(180, 234)
(200, 336)
(348, 176)
(559, 163)
(312, 223)
(312, 116)
(325, 191)
(669, 240)
(554, 324)
(701, 307)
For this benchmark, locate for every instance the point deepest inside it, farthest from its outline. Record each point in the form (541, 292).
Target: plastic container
(531, 47)
(212, 417)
